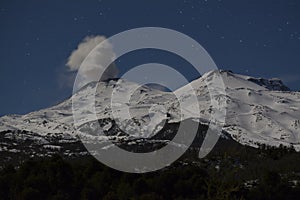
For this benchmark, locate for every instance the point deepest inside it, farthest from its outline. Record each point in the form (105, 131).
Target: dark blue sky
(254, 37)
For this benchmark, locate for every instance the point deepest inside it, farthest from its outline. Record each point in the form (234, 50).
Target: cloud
(103, 56)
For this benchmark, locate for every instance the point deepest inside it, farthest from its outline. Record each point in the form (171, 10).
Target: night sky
(254, 37)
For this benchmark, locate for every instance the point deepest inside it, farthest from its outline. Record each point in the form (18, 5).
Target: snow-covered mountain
(258, 111)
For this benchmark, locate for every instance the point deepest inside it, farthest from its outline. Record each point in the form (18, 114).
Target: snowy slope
(59, 119)
(258, 112)
(255, 114)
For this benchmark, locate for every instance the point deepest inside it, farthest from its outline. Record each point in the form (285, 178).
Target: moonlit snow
(257, 113)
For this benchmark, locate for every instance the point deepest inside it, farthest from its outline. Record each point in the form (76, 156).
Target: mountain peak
(271, 84)
(230, 78)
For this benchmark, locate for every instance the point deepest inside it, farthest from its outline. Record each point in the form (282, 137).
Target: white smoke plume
(103, 57)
